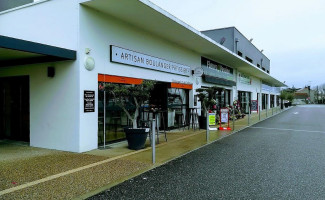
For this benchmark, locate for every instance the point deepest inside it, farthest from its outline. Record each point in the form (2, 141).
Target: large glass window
(113, 117)
(272, 100)
(177, 107)
(264, 101)
(168, 105)
(244, 100)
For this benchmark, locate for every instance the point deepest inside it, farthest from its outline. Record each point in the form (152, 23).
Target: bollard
(104, 129)
(266, 111)
(208, 131)
(233, 118)
(153, 141)
(249, 114)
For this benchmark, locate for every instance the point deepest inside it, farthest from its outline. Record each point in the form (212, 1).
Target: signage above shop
(198, 72)
(244, 79)
(219, 81)
(181, 85)
(129, 57)
(215, 69)
(118, 79)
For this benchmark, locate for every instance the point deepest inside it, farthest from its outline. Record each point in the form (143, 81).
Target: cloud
(291, 32)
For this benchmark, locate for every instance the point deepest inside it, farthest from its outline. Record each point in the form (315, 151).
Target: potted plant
(132, 96)
(207, 97)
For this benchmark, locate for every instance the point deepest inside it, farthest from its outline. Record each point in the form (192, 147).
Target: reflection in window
(177, 107)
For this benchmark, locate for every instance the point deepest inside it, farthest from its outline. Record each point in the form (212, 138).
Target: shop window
(244, 99)
(195, 100)
(263, 101)
(272, 101)
(114, 119)
(177, 107)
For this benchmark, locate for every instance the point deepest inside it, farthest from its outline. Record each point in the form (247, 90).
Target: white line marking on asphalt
(296, 113)
(283, 129)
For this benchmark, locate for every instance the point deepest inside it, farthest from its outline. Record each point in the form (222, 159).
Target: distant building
(304, 95)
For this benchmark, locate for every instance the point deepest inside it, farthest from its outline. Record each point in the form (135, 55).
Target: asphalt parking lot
(280, 158)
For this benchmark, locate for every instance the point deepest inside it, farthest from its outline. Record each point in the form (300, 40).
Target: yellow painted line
(29, 184)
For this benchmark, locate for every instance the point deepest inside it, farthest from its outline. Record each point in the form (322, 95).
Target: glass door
(14, 111)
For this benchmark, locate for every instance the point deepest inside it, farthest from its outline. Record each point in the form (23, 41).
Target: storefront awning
(153, 19)
(21, 52)
(218, 81)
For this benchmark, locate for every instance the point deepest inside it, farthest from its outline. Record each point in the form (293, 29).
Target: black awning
(21, 52)
(219, 81)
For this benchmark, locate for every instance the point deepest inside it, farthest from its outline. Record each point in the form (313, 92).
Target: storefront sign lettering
(212, 119)
(89, 101)
(244, 79)
(215, 69)
(125, 56)
(254, 105)
(198, 72)
(224, 115)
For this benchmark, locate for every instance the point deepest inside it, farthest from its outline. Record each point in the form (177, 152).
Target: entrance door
(14, 110)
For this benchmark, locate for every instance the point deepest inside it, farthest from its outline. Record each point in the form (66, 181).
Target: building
(304, 96)
(248, 86)
(53, 67)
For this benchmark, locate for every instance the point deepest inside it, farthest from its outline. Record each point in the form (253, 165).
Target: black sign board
(89, 101)
(254, 105)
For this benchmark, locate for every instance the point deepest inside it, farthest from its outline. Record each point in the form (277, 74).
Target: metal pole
(266, 110)
(272, 110)
(153, 141)
(259, 113)
(249, 114)
(233, 117)
(208, 128)
(104, 118)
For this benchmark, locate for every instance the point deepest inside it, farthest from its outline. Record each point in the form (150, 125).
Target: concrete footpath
(35, 173)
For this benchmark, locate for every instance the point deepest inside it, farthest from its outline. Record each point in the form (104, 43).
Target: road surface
(282, 157)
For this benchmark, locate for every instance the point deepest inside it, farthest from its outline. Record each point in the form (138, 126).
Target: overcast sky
(291, 32)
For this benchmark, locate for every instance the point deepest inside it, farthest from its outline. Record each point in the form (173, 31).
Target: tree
(135, 95)
(207, 97)
(290, 97)
(283, 95)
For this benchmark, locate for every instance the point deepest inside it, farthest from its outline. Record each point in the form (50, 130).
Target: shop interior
(168, 105)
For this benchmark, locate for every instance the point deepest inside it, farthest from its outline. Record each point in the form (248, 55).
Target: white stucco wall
(54, 104)
(53, 22)
(97, 32)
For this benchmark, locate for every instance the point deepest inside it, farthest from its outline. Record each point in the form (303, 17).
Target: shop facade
(222, 76)
(61, 78)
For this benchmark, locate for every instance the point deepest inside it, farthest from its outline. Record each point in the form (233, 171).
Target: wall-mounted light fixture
(50, 72)
(89, 63)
